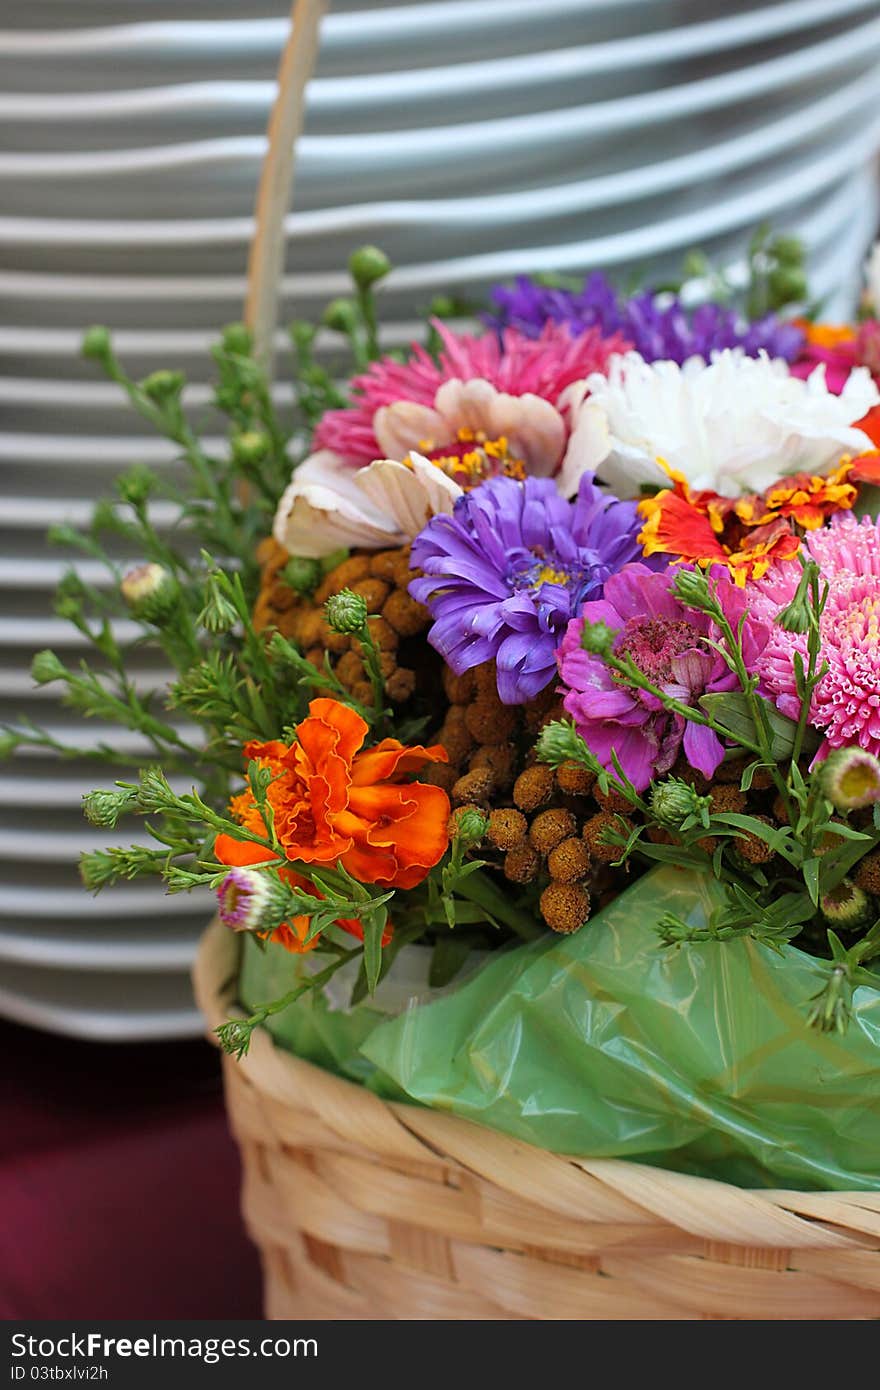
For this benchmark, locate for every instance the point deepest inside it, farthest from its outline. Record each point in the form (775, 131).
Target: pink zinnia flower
(420, 433)
(846, 703)
(666, 641)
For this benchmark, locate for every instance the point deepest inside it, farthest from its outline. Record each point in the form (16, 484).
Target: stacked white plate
(473, 139)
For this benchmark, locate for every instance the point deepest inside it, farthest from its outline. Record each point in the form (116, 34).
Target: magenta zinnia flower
(666, 642)
(846, 703)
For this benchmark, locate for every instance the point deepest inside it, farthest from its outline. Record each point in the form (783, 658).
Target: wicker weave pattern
(364, 1209)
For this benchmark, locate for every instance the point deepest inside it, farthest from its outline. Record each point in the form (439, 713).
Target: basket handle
(274, 194)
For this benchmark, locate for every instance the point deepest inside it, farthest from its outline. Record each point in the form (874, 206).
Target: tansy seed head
(565, 906)
(850, 778)
(346, 612)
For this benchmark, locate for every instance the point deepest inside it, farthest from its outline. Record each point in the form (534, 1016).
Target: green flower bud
(154, 793)
(598, 638)
(346, 612)
(788, 250)
(235, 1037)
(443, 306)
(104, 807)
(46, 667)
(96, 343)
(673, 801)
(98, 869)
(796, 615)
(787, 285)
(302, 335)
(850, 778)
(8, 742)
(237, 340)
(340, 315)
(252, 900)
(847, 907)
(302, 574)
(691, 587)
(151, 592)
(250, 447)
(560, 742)
(367, 265)
(219, 614)
(163, 386)
(470, 825)
(137, 485)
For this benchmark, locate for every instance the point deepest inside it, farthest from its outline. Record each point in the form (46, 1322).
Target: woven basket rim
(394, 1130)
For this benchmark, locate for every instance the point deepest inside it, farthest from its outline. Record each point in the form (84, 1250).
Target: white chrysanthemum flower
(732, 426)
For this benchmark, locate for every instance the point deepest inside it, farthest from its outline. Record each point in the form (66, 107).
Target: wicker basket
(364, 1209)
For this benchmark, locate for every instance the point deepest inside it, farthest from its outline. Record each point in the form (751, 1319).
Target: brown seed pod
(594, 831)
(350, 669)
(753, 849)
(500, 758)
(400, 685)
(342, 576)
(549, 828)
(867, 873)
(459, 690)
(405, 615)
(455, 735)
(521, 863)
(373, 591)
(534, 787)
(569, 861)
(574, 779)
(507, 828)
(565, 906)
(489, 721)
(726, 798)
(611, 800)
(474, 786)
(384, 563)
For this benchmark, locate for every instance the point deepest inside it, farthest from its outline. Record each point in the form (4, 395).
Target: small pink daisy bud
(248, 901)
(850, 778)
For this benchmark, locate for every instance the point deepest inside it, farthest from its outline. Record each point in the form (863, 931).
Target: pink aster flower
(666, 641)
(420, 433)
(846, 703)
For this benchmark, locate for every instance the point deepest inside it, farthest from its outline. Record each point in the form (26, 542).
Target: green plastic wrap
(609, 1044)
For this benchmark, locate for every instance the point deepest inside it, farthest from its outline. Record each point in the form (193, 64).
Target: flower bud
(251, 900)
(46, 667)
(163, 386)
(788, 250)
(691, 587)
(787, 285)
(96, 342)
(301, 574)
(235, 1036)
(151, 592)
(340, 315)
(104, 807)
(250, 447)
(468, 825)
(367, 265)
(346, 612)
(598, 638)
(673, 801)
(219, 614)
(136, 486)
(154, 792)
(795, 617)
(847, 907)
(237, 339)
(850, 778)
(559, 742)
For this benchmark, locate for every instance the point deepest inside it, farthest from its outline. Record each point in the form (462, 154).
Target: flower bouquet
(537, 669)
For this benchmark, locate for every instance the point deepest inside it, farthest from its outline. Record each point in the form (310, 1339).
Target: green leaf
(811, 878)
(449, 955)
(374, 926)
(732, 710)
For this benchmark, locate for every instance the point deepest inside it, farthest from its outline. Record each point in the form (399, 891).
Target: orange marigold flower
(335, 803)
(748, 534)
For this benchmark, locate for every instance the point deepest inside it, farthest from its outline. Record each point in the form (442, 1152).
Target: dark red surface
(119, 1183)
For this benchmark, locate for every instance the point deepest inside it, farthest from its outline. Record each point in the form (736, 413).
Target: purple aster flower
(508, 569)
(658, 325)
(666, 641)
